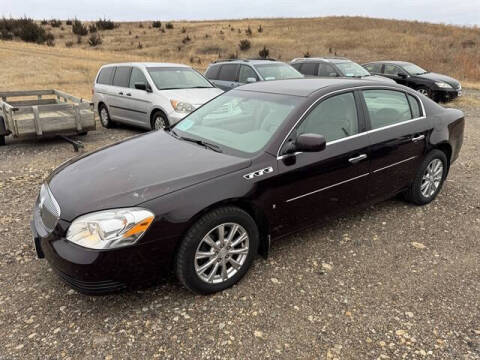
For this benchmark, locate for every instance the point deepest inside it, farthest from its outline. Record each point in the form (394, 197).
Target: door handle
(128, 94)
(358, 158)
(120, 93)
(418, 138)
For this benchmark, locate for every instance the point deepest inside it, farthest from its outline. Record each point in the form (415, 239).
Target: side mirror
(402, 75)
(142, 86)
(251, 80)
(310, 143)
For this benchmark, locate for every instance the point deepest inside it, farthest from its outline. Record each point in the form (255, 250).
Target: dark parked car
(436, 86)
(250, 166)
(334, 67)
(230, 73)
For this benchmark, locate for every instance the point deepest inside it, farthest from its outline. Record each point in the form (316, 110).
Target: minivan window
(326, 70)
(228, 72)
(137, 77)
(334, 118)
(245, 73)
(168, 78)
(351, 69)
(277, 71)
(386, 107)
(309, 68)
(122, 76)
(212, 72)
(106, 75)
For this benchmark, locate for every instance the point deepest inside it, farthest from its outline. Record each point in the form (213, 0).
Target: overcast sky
(463, 12)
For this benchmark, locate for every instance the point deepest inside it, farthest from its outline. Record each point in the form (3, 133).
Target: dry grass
(442, 48)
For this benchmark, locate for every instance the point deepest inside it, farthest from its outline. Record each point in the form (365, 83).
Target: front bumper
(446, 94)
(174, 117)
(96, 272)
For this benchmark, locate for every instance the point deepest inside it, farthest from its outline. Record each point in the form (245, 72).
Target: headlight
(110, 228)
(442, 84)
(181, 106)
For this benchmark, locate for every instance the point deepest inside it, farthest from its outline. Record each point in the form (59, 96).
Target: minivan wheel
(104, 117)
(159, 121)
(217, 250)
(429, 178)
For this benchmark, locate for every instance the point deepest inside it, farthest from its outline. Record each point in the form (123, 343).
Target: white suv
(149, 95)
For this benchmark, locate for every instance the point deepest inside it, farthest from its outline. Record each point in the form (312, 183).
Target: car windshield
(239, 120)
(413, 69)
(277, 71)
(166, 78)
(351, 69)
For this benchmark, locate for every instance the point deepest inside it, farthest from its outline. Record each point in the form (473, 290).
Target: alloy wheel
(423, 92)
(432, 178)
(221, 253)
(159, 123)
(104, 116)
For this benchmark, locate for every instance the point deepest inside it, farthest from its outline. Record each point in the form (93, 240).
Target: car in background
(333, 67)
(436, 86)
(149, 95)
(230, 73)
(254, 164)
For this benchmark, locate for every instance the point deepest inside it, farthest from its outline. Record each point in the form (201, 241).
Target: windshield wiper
(198, 142)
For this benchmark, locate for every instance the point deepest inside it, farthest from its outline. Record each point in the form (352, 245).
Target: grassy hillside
(448, 49)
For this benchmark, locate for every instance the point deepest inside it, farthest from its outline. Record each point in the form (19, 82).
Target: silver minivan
(149, 95)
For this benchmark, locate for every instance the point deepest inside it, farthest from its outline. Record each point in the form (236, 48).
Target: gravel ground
(392, 281)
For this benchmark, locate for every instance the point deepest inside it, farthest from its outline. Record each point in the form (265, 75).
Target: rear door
(103, 86)
(118, 104)
(398, 131)
(227, 77)
(313, 185)
(396, 73)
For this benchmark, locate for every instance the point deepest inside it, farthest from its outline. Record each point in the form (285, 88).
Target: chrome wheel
(159, 123)
(104, 116)
(423, 92)
(221, 253)
(432, 178)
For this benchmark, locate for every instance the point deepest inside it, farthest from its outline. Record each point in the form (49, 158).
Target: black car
(436, 86)
(252, 165)
(334, 67)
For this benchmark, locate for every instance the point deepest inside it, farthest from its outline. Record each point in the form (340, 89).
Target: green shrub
(169, 25)
(78, 28)
(69, 44)
(92, 28)
(264, 52)
(68, 22)
(55, 23)
(244, 45)
(156, 24)
(104, 24)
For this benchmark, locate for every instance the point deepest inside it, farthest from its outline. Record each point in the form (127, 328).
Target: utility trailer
(49, 113)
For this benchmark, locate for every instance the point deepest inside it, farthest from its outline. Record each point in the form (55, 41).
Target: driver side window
(334, 118)
(245, 73)
(137, 76)
(392, 70)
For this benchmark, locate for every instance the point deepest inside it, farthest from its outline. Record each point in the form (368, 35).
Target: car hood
(440, 77)
(134, 171)
(196, 97)
(379, 78)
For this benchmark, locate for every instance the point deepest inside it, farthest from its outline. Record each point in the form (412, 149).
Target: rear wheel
(159, 121)
(217, 250)
(104, 116)
(429, 178)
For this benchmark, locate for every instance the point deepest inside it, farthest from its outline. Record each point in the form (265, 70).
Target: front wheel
(429, 178)
(217, 250)
(159, 121)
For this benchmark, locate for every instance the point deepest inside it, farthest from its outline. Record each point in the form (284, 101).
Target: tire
(420, 193)
(104, 117)
(425, 91)
(2, 140)
(196, 273)
(159, 121)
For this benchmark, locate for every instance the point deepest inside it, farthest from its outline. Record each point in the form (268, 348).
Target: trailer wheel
(2, 140)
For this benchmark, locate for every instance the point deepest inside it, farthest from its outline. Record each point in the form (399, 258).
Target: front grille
(47, 211)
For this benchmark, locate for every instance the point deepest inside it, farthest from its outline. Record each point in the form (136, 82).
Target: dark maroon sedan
(253, 164)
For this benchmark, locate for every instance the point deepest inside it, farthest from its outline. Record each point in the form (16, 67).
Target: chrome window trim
(327, 187)
(379, 87)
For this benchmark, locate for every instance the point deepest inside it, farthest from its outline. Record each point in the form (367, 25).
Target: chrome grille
(47, 211)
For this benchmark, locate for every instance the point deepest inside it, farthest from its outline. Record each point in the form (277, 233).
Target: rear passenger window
(415, 106)
(105, 76)
(373, 68)
(137, 77)
(228, 72)
(122, 76)
(386, 107)
(334, 118)
(309, 68)
(296, 66)
(212, 72)
(245, 73)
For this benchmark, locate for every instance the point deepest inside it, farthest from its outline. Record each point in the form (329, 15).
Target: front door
(138, 102)
(399, 132)
(313, 185)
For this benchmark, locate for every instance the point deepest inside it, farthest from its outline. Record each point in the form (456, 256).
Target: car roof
(395, 62)
(247, 61)
(147, 64)
(335, 60)
(307, 86)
